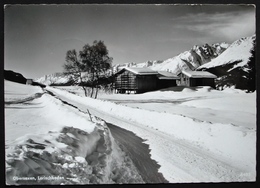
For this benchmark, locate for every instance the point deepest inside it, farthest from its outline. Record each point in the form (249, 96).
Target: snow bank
(71, 156)
(40, 116)
(232, 90)
(65, 147)
(15, 91)
(217, 138)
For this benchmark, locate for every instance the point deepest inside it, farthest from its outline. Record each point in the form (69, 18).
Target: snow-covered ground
(223, 123)
(48, 142)
(201, 103)
(218, 125)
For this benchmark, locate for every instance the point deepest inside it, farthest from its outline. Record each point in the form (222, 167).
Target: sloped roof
(139, 71)
(164, 75)
(199, 74)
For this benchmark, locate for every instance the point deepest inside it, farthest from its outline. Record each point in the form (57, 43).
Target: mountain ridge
(190, 59)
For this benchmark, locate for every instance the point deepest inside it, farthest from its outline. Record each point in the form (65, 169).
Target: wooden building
(142, 80)
(138, 80)
(197, 78)
(29, 81)
(166, 79)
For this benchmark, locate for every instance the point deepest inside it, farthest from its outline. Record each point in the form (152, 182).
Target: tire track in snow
(27, 99)
(139, 152)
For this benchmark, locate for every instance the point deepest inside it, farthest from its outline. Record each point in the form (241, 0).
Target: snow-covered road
(180, 161)
(139, 152)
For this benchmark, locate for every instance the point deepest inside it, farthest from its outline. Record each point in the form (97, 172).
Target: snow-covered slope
(236, 65)
(239, 51)
(188, 60)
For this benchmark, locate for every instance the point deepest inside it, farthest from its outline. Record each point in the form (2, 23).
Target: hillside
(236, 65)
(14, 76)
(239, 51)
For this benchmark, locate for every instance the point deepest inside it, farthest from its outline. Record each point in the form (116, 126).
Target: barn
(138, 80)
(142, 80)
(166, 79)
(197, 78)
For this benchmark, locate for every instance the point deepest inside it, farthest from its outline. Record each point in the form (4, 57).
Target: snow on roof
(163, 75)
(199, 74)
(141, 71)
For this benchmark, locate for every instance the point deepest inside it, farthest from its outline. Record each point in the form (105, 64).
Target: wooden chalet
(197, 78)
(142, 80)
(138, 80)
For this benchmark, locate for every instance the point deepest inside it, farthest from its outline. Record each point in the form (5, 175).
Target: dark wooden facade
(165, 83)
(128, 81)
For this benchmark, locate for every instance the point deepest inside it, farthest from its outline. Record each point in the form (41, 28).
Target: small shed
(197, 78)
(135, 79)
(29, 81)
(166, 79)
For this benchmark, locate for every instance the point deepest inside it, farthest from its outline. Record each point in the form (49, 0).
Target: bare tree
(98, 62)
(75, 68)
(90, 68)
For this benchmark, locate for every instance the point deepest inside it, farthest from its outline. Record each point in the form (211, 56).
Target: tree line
(89, 68)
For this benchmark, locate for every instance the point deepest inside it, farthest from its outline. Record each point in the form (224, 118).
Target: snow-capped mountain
(239, 50)
(55, 79)
(236, 65)
(188, 60)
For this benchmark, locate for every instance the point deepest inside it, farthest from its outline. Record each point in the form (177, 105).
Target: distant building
(166, 79)
(29, 81)
(197, 78)
(142, 80)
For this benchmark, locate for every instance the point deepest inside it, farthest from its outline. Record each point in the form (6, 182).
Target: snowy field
(38, 128)
(230, 106)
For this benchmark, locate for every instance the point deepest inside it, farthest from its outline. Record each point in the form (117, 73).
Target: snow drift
(48, 142)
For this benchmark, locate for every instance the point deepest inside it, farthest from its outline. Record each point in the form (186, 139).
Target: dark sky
(38, 36)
